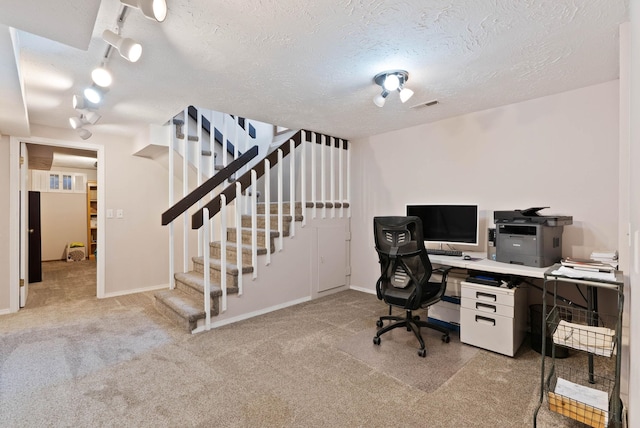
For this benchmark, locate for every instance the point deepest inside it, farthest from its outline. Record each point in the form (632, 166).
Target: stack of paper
(571, 272)
(609, 257)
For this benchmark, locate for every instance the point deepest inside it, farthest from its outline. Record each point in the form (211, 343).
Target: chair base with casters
(412, 323)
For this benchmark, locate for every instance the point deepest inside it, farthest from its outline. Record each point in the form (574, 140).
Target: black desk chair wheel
(405, 273)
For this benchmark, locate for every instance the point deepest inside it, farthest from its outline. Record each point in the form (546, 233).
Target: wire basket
(571, 394)
(583, 330)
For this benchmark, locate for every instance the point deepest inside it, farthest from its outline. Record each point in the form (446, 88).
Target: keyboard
(438, 252)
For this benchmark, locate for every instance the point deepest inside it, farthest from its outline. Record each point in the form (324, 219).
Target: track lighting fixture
(128, 48)
(390, 81)
(101, 76)
(152, 9)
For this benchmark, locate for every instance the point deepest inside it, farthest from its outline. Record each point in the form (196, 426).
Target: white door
(24, 225)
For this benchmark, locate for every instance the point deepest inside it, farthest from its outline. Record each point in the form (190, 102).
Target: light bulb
(391, 82)
(93, 95)
(405, 94)
(379, 100)
(101, 76)
(75, 122)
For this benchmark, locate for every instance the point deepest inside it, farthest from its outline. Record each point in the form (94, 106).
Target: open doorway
(62, 219)
(83, 161)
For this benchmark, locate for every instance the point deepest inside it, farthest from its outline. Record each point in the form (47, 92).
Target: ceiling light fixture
(392, 80)
(128, 48)
(152, 9)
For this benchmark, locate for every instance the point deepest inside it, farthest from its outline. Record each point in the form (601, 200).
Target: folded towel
(596, 340)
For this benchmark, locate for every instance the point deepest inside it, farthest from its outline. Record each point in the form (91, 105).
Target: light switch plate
(109, 213)
(120, 213)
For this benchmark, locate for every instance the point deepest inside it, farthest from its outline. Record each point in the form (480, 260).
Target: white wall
(559, 151)
(63, 218)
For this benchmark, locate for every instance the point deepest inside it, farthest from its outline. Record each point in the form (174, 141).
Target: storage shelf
(92, 217)
(576, 393)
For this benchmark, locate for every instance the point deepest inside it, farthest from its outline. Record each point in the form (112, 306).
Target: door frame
(17, 233)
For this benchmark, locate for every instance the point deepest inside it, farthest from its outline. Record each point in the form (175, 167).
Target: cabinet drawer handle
(485, 320)
(485, 306)
(480, 295)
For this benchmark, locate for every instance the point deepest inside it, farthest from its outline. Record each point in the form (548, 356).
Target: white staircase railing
(297, 175)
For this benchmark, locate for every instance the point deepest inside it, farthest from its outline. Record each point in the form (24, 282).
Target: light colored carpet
(397, 356)
(83, 362)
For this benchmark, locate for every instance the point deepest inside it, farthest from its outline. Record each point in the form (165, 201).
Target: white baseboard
(136, 290)
(252, 314)
(5, 312)
(364, 290)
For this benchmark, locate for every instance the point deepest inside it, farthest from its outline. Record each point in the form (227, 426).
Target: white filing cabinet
(493, 318)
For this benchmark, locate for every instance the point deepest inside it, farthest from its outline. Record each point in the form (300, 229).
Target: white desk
(486, 265)
(503, 327)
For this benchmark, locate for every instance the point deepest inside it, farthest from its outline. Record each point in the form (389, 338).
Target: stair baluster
(207, 266)
(267, 207)
(292, 185)
(223, 250)
(238, 210)
(254, 224)
(280, 196)
(303, 176)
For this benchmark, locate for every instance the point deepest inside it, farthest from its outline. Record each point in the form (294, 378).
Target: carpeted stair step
(285, 208)
(232, 252)
(261, 222)
(192, 283)
(232, 272)
(246, 237)
(181, 308)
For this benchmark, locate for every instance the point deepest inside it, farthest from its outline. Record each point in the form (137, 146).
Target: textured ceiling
(311, 64)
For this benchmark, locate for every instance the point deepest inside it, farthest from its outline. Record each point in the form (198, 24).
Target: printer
(527, 238)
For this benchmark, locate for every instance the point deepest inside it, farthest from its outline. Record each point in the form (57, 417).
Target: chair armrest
(443, 270)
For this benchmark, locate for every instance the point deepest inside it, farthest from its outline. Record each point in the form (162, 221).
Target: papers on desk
(571, 272)
(596, 340)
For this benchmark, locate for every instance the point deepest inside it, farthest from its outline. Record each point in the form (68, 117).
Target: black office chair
(405, 273)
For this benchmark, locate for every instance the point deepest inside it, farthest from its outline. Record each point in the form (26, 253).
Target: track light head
(380, 99)
(102, 76)
(128, 48)
(391, 82)
(84, 133)
(152, 9)
(405, 94)
(90, 117)
(94, 94)
(75, 122)
(79, 102)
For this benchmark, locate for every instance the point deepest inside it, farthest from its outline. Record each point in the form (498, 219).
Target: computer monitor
(448, 224)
